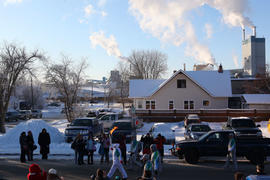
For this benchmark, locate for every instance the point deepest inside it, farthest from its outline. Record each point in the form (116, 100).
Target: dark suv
(243, 127)
(124, 127)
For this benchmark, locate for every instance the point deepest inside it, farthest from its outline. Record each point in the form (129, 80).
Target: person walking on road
(106, 148)
(147, 141)
(135, 148)
(123, 147)
(91, 148)
(231, 155)
(31, 144)
(24, 146)
(44, 141)
(159, 141)
(117, 163)
(156, 160)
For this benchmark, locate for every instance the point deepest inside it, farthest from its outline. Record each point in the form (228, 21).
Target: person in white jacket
(231, 152)
(117, 163)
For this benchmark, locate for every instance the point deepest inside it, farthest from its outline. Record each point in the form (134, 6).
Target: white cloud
(208, 30)
(102, 3)
(88, 10)
(103, 13)
(109, 44)
(235, 60)
(6, 2)
(168, 21)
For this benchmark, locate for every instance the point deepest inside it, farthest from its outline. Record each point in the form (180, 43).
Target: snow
(257, 98)
(143, 88)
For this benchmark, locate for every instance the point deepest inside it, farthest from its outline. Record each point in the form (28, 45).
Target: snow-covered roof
(257, 98)
(214, 83)
(139, 88)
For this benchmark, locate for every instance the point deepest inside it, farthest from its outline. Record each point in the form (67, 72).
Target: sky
(105, 31)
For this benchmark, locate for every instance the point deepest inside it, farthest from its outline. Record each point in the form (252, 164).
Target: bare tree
(67, 79)
(124, 85)
(147, 64)
(15, 61)
(33, 96)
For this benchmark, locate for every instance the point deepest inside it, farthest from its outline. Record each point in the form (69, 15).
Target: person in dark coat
(24, 146)
(159, 141)
(80, 147)
(147, 141)
(123, 147)
(30, 142)
(44, 141)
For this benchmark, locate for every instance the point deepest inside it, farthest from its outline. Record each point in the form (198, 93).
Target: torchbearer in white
(117, 163)
(231, 152)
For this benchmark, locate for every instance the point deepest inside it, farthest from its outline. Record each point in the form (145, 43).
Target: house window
(188, 104)
(206, 103)
(153, 104)
(181, 83)
(170, 104)
(147, 104)
(139, 104)
(185, 104)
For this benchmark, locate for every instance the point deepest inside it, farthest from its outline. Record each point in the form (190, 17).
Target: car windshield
(200, 128)
(243, 123)
(192, 121)
(81, 122)
(203, 136)
(122, 125)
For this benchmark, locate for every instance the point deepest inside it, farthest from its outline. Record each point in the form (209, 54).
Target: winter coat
(44, 141)
(155, 159)
(147, 141)
(231, 145)
(35, 173)
(159, 141)
(106, 143)
(23, 142)
(30, 142)
(80, 145)
(122, 142)
(91, 145)
(117, 157)
(134, 148)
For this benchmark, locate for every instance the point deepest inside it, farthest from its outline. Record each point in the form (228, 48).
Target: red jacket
(35, 173)
(159, 141)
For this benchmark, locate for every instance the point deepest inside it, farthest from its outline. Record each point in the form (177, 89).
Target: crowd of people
(28, 145)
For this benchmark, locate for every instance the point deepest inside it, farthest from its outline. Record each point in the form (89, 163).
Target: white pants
(119, 166)
(231, 156)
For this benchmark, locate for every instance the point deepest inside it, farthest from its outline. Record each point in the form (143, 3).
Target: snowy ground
(10, 148)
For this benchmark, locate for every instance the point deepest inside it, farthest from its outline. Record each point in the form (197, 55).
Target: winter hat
(34, 168)
(52, 171)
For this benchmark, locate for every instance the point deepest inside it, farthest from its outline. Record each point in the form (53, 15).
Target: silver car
(196, 130)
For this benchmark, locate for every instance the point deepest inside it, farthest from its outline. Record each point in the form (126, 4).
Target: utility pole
(32, 94)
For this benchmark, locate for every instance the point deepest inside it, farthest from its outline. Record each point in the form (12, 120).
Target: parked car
(56, 104)
(12, 116)
(243, 127)
(196, 130)
(108, 119)
(25, 114)
(82, 126)
(162, 128)
(215, 143)
(124, 127)
(36, 113)
(91, 114)
(191, 118)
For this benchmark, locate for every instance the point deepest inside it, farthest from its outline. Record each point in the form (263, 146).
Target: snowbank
(36, 126)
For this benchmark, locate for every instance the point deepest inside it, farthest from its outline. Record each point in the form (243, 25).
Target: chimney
(254, 31)
(184, 66)
(220, 69)
(243, 34)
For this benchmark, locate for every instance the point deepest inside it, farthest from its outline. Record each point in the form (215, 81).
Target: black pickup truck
(215, 143)
(243, 127)
(83, 126)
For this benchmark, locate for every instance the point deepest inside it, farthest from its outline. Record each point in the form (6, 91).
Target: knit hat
(52, 171)
(34, 168)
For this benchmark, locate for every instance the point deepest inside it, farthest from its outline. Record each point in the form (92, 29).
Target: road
(173, 169)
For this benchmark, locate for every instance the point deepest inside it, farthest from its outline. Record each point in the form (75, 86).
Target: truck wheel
(192, 156)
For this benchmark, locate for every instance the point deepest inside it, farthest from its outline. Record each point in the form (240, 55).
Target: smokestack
(243, 35)
(184, 66)
(254, 31)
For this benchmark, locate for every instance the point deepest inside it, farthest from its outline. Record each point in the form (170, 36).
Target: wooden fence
(209, 115)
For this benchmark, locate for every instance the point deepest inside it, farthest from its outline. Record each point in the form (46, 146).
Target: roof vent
(220, 69)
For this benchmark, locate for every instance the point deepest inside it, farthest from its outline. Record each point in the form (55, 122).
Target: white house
(184, 90)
